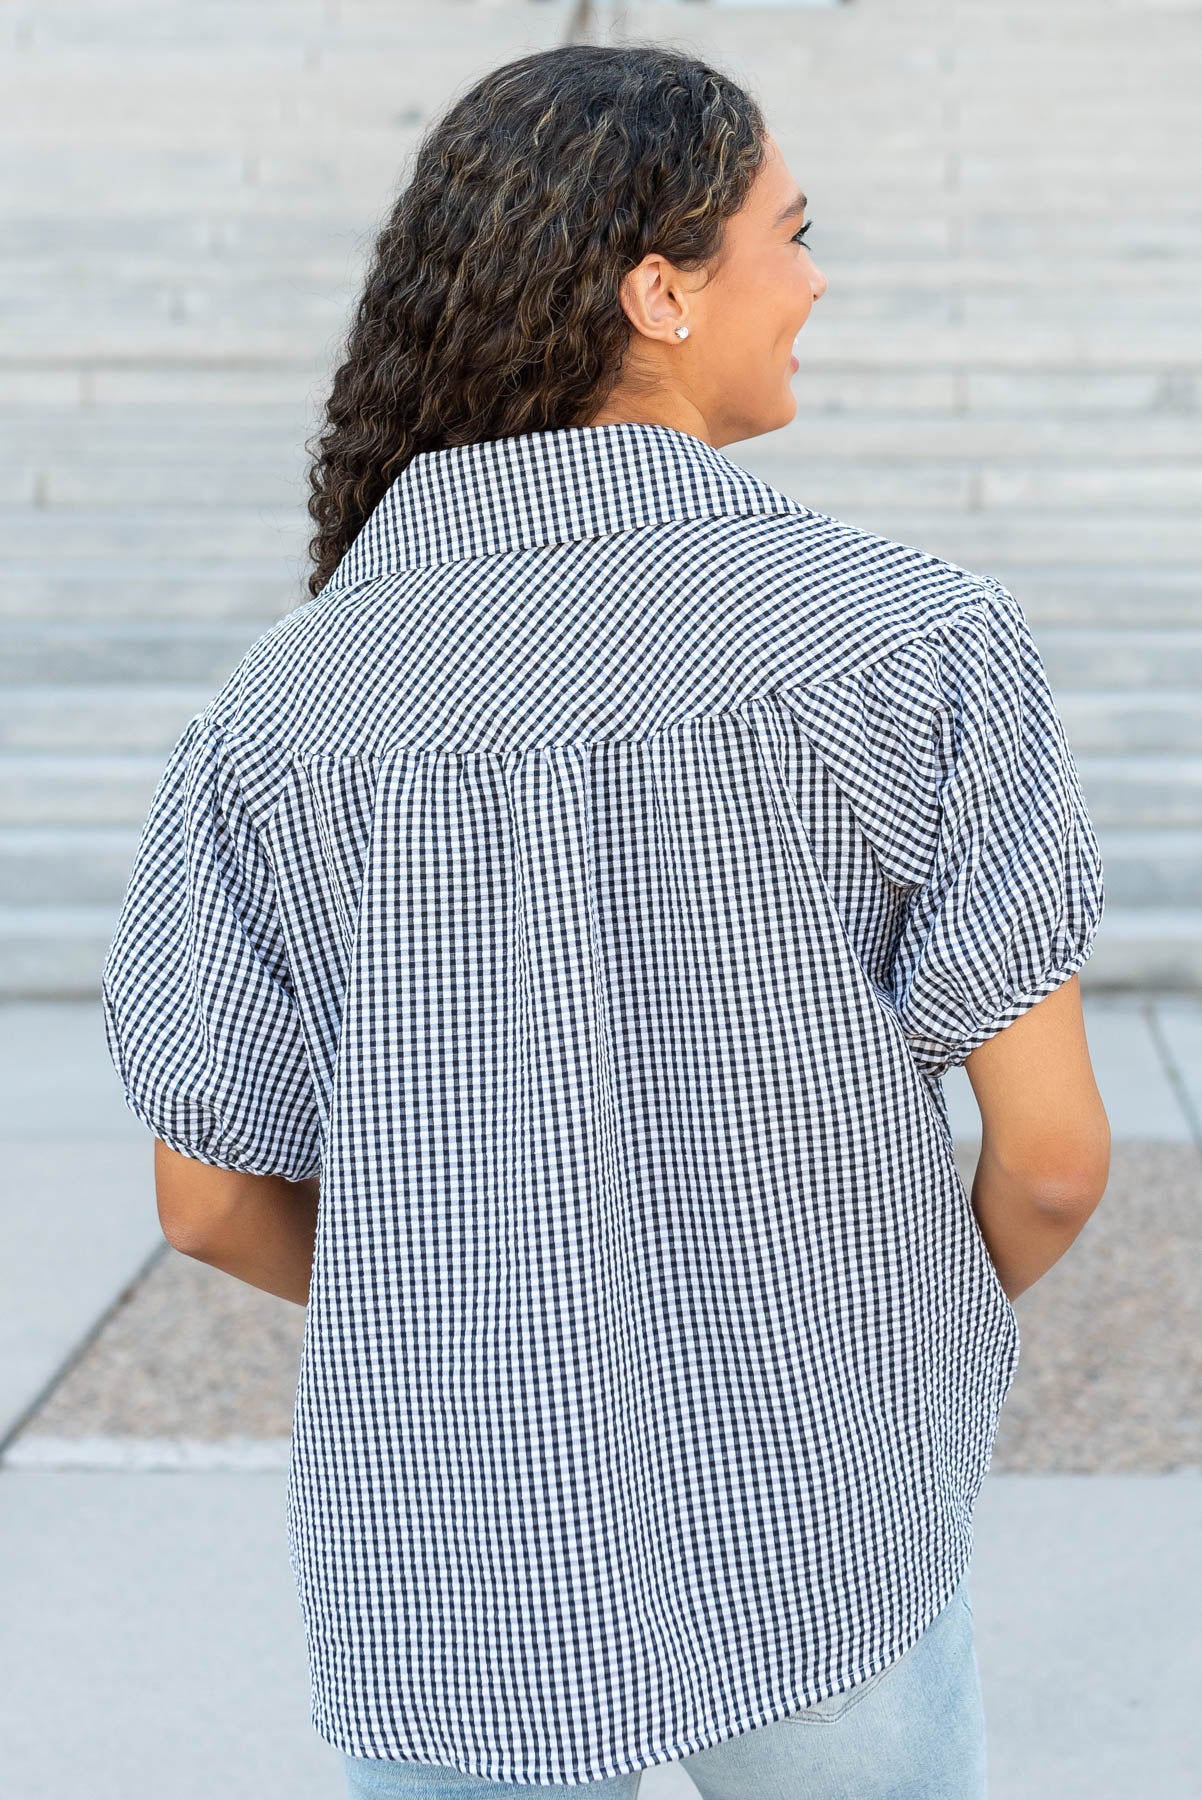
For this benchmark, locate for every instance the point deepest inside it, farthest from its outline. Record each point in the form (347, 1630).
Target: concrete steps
(1006, 371)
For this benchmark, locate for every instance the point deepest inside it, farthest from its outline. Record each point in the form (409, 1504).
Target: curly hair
(491, 302)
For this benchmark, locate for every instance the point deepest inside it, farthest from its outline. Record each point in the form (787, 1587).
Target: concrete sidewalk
(153, 1645)
(151, 1630)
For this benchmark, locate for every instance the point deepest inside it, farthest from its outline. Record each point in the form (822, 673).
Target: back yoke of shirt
(590, 885)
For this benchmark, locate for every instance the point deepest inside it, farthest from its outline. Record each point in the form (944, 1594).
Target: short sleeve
(201, 1022)
(1012, 902)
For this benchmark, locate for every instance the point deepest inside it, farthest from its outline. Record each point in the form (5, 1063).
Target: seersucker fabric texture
(590, 887)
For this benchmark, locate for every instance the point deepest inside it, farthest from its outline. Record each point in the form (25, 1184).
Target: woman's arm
(1045, 1149)
(1024, 1235)
(259, 1228)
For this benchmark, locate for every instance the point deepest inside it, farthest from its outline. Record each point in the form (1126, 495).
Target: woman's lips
(795, 362)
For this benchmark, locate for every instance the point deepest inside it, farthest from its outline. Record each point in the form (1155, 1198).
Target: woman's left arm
(259, 1228)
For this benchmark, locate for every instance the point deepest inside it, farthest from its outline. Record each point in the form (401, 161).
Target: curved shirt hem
(658, 1755)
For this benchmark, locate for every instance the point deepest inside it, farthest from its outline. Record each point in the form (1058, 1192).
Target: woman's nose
(819, 286)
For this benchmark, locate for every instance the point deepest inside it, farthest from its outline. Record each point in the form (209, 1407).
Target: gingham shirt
(591, 885)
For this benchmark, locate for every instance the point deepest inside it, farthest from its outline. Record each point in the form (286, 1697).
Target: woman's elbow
(193, 1198)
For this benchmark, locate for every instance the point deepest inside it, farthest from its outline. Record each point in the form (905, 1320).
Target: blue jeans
(914, 1732)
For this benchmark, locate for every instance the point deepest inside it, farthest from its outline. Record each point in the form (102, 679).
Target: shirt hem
(658, 1755)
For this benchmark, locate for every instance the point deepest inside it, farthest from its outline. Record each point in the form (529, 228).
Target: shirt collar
(547, 487)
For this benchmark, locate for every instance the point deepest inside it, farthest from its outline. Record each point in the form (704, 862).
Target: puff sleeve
(1013, 899)
(201, 1022)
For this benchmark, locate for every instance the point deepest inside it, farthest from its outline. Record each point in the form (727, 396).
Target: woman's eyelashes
(799, 234)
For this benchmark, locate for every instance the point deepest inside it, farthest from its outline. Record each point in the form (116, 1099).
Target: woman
(540, 962)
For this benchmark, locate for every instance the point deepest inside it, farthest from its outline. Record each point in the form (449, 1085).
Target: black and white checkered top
(590, 885)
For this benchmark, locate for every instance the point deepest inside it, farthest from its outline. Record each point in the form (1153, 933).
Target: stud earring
(682, 331)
